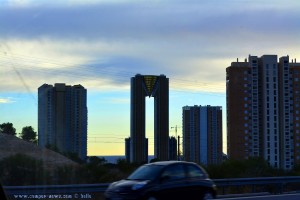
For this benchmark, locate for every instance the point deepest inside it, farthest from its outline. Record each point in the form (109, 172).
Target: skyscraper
(128, 151)
(202, 134)
(62, 118)
(151, 86)
(263, 110)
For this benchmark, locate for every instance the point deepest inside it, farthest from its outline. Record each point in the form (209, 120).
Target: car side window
(194, 172)
(173, 172)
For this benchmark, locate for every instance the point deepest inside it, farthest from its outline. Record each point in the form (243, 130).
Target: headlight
(111, 185)
(139, 185)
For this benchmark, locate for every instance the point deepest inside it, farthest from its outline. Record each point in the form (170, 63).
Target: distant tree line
(24, 170)
(21, 169)
(27, 133)
(247, 168)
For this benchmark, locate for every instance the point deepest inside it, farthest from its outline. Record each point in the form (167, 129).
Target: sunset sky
(102, 44)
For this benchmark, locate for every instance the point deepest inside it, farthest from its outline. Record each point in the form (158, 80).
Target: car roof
(170, 162)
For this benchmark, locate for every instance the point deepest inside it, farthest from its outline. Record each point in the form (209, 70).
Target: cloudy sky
(101, 44)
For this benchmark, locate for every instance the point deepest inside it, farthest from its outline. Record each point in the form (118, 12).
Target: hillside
(11, 145)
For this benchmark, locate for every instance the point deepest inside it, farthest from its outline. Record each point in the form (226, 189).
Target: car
(164, 180)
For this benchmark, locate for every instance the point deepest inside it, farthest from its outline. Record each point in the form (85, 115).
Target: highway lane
(295, 196)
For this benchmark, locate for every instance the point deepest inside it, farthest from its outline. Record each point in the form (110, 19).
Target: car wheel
(207, 195)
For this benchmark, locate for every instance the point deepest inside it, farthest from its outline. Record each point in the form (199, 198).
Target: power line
(92, 71)
(21, 79)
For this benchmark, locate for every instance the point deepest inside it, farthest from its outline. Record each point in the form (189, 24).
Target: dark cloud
(146, 20)
(118, 69)
(192, 40)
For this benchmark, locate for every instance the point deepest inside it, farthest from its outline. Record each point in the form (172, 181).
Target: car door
(196, 181)
(172, 182)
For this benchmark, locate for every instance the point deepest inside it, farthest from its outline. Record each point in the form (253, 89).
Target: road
(269, 197)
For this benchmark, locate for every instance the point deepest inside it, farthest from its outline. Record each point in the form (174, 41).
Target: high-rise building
(62, 118)
(202, 134)
(128, 151)
(263, 110)
(151, 86)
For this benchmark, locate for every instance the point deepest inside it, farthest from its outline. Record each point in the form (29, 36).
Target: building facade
(141, 87)
(128, 151)
(262, 110)
(202, 134)
(172, 149)
(62, 118)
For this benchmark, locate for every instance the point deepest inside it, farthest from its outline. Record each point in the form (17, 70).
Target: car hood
(125, 184)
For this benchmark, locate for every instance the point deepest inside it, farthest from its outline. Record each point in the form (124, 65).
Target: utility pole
(178, 142)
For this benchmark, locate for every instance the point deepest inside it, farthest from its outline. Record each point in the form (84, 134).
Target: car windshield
(146, 172)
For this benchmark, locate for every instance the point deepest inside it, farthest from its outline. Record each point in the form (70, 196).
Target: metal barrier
(56, 189)
(222, 184)
(277, 185)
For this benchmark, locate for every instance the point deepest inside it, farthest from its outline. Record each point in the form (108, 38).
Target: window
(194, 172)
(174, 172)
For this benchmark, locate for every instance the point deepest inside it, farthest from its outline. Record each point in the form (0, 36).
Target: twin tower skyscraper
(143, 86)
(62, 117)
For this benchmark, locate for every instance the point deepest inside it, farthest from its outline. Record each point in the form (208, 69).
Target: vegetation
(252, 167)
(20, 169)
(7, 128)
(25, 170)
(29, 134)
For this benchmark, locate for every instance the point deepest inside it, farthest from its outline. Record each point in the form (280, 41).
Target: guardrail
(280, 184)
(277, 185)
(55, 189)
(76, 191)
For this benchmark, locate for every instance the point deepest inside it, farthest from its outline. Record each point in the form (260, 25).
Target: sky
(101, 44)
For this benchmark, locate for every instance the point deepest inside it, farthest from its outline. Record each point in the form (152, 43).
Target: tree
(251, 167)
(7, 128)
(94, 160)
(28, 134)
(73, 156)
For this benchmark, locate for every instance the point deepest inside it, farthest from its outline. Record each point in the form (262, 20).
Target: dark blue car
(164, 180)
